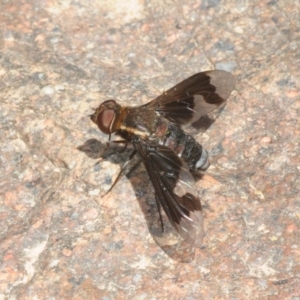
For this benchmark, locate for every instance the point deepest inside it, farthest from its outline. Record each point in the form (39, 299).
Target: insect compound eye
(105, 119)
(106, 116)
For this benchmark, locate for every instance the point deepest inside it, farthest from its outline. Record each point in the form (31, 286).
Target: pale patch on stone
(123, 11)
(54, 263)
(32, 256)
(94, 192)
(143, 263)
(48, 90)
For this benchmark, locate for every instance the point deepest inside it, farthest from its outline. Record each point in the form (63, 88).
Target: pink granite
(60, 237)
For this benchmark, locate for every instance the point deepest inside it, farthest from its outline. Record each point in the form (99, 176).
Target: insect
(169, 154)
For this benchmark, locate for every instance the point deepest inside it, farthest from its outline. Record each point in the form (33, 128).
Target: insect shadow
(163, 233)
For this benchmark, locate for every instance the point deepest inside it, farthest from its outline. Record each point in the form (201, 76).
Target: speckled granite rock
(60, 238)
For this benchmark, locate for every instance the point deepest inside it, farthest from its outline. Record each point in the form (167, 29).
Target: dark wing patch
(194, 97)
(174, 189)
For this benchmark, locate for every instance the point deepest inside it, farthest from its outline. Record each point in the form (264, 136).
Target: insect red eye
(105, 120)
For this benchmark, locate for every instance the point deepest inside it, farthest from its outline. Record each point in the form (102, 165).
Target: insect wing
(174, 189)
(194, 97)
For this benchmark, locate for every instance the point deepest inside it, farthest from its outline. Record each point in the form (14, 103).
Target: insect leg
(108, 143)
(123, 168)
(108, 146)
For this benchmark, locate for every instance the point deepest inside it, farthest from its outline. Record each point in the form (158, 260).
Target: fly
(169, 154)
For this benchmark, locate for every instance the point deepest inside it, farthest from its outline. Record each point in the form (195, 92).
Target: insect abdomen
(186, 147)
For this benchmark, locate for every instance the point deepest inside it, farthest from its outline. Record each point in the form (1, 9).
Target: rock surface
(60, 237)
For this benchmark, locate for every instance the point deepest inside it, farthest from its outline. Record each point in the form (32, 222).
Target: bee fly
(168, 153)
